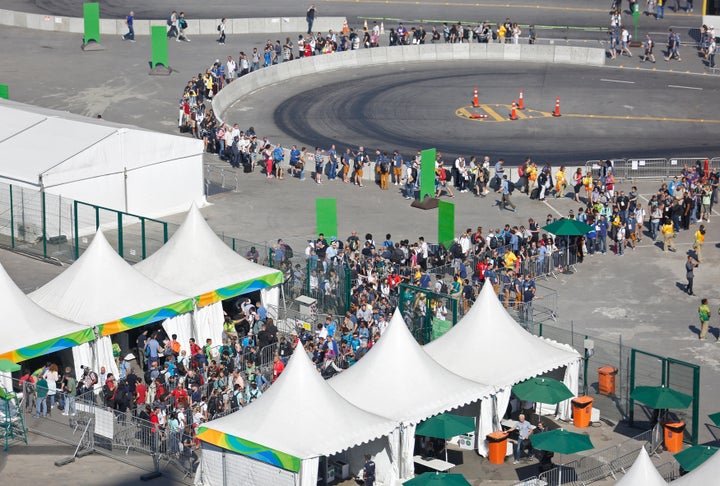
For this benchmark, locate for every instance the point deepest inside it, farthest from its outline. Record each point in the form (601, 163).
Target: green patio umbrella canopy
(545, 390)
(568, 227)
(437, 479)
(8, 366)
(693, 456)
(445, 426)
(661, 397)
(561, 441)
(715, 417)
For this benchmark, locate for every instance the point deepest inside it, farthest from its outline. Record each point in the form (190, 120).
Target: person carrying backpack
(172, 21)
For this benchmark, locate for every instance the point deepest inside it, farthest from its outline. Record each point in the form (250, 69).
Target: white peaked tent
(642, 473)
(279, 438)
(95, 161)
(195, 262)
(397, 379)
(28, 330)
(101, 289)
(704, 475)
(488, 346)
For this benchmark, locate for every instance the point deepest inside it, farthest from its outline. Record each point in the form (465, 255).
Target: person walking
(690, 266)
(668, 233)
(182, 25)
(704, 316)
(131, 30)
(368, 471)
(648, 54)
(506, 195)
(310, 18)
(172, 22)
(699, 241)
(221, 29)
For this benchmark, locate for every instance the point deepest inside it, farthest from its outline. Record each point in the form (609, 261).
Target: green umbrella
(8, 366)
(437, 479)
(693, 456)
(568, 227)
(561, 441)
(445, 426)
(715, 417)
(544, 390)
(661, 397)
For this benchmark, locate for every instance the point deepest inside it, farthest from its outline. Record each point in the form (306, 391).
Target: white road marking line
(617, 81)
(558, 212)
(683, 87)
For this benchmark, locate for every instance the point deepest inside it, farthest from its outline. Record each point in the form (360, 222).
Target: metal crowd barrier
(649, 167)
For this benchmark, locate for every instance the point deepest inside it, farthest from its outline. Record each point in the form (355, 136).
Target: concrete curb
(74, 25)
(392, 55)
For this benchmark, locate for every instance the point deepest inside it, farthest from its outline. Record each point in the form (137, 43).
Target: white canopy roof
(195, 262)
(299, 415)
(485, 344)
(705, 474)
(101, 288)
(397, 379)
(95, 161)
(642, 473)
(28, 330)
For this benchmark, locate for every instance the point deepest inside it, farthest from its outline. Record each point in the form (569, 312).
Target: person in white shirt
(230, 69)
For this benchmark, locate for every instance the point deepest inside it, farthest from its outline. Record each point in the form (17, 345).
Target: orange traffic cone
(557, 107)
(476, 102)
(345, 28)
(521, 105)
(513, 114)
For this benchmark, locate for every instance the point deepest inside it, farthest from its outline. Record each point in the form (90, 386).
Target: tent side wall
(221, 467)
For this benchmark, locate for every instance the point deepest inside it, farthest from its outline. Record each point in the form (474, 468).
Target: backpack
(521, 171)
(183, 23)
(288, 252)
(218, 27)
(456, 250)
(169, 21)
(494, 242)
(278, 154)
(147, 377)
(180, 367)
(444, 288)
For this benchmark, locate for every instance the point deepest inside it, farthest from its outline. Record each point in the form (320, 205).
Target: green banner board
(446, 223)
(4, 91)
(326, 217)
(159, 44)
(91, 15)
(427, 173)
(440, 327)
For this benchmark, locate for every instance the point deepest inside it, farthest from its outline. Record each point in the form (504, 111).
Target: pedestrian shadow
(681, 286)
(695, 330)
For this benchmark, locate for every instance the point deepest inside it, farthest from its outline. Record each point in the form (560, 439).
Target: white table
(434, 464)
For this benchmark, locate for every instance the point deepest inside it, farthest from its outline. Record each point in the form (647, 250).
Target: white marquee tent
(279, 438)
(642, 473)
(488, 346)
(120, 167)
(397, 379)
(101, 289)
(195, 262)
(705, 474)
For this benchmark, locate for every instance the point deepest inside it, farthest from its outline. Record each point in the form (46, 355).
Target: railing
(650, 167)
(217, 175)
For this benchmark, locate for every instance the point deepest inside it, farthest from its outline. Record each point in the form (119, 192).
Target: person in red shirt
(278, 367)
(140, 394)
(155, 428)
(180, 395)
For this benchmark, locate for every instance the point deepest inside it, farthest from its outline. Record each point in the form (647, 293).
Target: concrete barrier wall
(392, 55)
(74, 25)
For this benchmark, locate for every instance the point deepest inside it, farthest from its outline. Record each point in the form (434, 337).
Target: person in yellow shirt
(531, 172)
(588, 183)
(510, 259)
(668, 234)
(699, 241)
(560, 182)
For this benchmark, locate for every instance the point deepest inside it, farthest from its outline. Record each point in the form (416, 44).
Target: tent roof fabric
(195, 262)
(705, 473)
(397, 379)
(485, 344)
(101, 289)
(298, 417)
(642, 473)
(29, 331)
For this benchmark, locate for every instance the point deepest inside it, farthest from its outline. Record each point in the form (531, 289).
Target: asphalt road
(606, 113)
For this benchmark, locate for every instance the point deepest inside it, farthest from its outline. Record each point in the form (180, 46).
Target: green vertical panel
(427, 173)
(446, 223)
(91, 14)
(4, 91)
(159, 46)
(326, 217)
(696, 405)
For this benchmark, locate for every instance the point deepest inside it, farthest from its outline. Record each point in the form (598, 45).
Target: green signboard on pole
(326, 217)
(446, 223)
(159, 43)
(91, 16)
(4, 91)
(427, 173)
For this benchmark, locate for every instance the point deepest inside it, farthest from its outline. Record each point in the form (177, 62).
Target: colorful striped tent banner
(49, 346)
(248, 286)
(146, 317)
(250, 449)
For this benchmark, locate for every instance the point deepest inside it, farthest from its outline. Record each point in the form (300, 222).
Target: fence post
(44, 224)
(307, 277)
(696, 405)
(12, 220)
(142, 237)
(165, 232)
(585, 372)
(348, 285)
(120, 234)
(270, 257)
(631, 402)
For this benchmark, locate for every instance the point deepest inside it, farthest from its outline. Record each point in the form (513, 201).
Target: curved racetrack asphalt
(413, 106)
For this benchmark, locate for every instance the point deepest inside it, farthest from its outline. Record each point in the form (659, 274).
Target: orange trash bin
(582, 410)
(497, 445)
(674, 432)
(606, 380)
